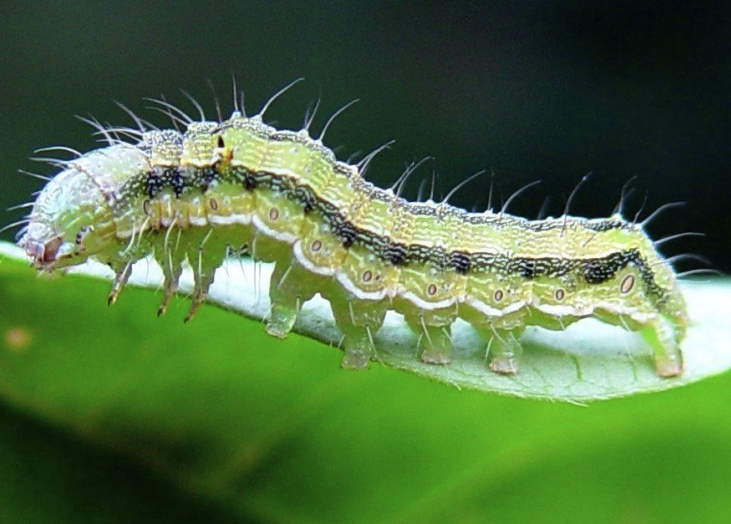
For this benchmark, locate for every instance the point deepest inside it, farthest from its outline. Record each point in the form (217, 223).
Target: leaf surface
(216, 419)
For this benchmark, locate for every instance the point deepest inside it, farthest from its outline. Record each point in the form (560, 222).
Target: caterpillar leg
(434, 329)
(662, 338)
(358, 321)
(171, 264)
(290, 287)
(204, 262)
(122, 272)
(170, 254)
(504, 351)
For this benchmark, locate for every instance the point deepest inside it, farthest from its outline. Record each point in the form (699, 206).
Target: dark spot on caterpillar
(213, 204)
(367, 275)
(460, 262)
(160, 177)
(431, 290)
(146, 207)
(527, 268)
(600, 270)
(627, 284)
(273, 214)
(203, 178)
(498, 295)
(177, 181)
(395, 254)
(316, 246)
(250, 181)
(346, 233)
(220, 142)
(559, 294)
(532, 267)
(154, 182)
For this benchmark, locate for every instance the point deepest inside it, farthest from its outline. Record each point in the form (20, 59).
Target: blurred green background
(114, 416)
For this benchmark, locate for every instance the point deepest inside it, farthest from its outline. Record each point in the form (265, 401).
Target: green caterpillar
(192, 196)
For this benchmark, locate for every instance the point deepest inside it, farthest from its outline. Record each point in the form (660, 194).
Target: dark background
(544, 91)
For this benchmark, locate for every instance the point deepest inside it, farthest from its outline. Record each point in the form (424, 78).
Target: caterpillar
(194, 195)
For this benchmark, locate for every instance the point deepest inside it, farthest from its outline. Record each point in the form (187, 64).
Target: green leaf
(588, 361)
(213, 420)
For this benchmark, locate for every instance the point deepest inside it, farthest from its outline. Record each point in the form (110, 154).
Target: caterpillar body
(192, 196)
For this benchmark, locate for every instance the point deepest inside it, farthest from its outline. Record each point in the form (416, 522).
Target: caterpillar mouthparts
(192, 196)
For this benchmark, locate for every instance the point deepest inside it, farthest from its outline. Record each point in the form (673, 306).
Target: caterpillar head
(72, 217)
(61, 228)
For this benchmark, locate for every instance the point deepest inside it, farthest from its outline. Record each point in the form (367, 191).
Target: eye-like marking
(316, 246)
(273, 214)
(213, 204)
(559, 294)
(367, 275)
(628, 282)
(498, 295)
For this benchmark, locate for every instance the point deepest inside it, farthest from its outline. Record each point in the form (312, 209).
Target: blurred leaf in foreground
(268, 430)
